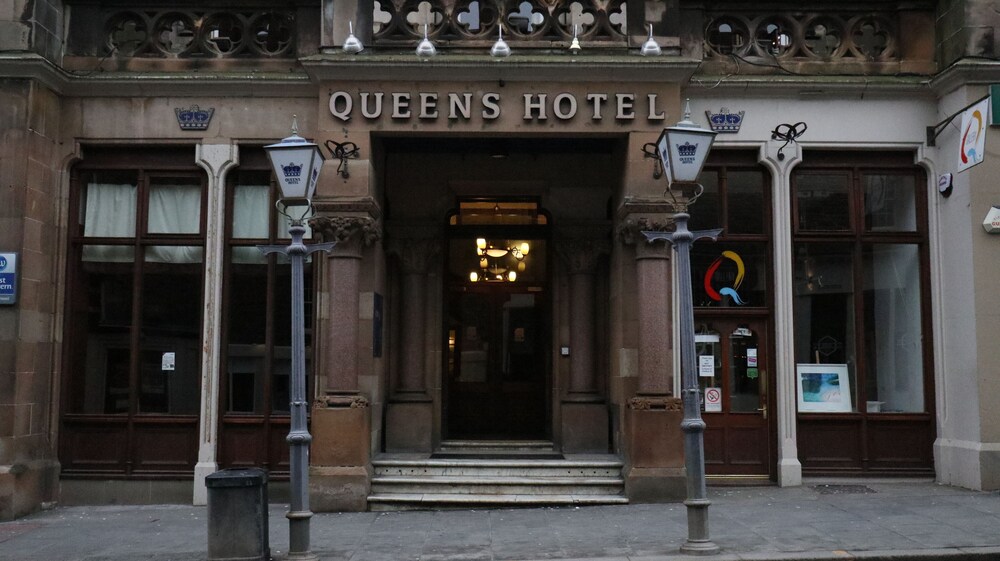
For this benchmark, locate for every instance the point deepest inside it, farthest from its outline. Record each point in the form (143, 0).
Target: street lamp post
(683, 149)
(296, 164)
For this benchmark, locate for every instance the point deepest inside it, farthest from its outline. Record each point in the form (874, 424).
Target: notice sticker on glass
(706, 366)
(167, 362)
(752, 357)
(713, 400)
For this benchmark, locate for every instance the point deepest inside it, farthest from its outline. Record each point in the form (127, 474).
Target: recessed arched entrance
(496, 210)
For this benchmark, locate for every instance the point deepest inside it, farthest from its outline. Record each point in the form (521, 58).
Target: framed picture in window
(823, 388)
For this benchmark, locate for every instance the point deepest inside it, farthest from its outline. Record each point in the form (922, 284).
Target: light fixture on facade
(683, 148)
(499, 262)
(352, 44)
(500, 48)
(574, 47)
(650, 47)
(296, 163)
(425, 47)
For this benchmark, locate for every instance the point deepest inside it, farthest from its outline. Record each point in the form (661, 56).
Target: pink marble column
(415, 258)
(343, 278)
(580, 258)
(653, 283)
(341, 344)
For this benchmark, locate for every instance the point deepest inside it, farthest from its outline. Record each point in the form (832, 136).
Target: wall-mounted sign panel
(972, 142)
(8, 278)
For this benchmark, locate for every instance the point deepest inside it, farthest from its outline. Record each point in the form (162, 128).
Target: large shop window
(257, 330)
(134, 321)
(860, 308)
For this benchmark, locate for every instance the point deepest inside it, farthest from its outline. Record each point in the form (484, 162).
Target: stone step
(403, 482)
(497, 467)
(427, 501)
(467, 485)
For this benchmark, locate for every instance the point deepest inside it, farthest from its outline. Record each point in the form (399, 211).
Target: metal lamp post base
(698, 542)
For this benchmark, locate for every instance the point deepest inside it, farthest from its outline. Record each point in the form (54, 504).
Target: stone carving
(342, 228)
(656, 403)
(630, 231)
(416, 254)
(819, 34)
(600, 22)
(343, 402)
(581, 255)
(166, 32)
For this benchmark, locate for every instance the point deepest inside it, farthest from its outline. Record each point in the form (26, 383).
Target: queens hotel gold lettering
(488, 105)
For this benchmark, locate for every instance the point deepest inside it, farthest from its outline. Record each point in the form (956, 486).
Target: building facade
(490, 295)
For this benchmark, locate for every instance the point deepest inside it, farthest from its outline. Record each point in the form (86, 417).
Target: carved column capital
(415, 254)
(341, 229)
(581, 255)
(630, 230)
(649, 403)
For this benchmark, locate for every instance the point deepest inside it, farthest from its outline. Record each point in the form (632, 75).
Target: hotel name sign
(491, 105)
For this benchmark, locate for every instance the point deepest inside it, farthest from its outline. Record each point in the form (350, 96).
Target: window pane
(822, 201)
(101, 319)
(174, 206)
(251, 208)
(247, 335)
(706, 213)
(109, 207)
(744, 388)
(890, 203)
(729, 274)
(893, 337)
(824, 307)
(745, 204)
(170, 352)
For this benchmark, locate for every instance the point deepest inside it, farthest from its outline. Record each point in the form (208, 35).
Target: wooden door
(733, 367)
(496, 371)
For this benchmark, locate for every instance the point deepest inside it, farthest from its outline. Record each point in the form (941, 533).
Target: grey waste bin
(237, 515)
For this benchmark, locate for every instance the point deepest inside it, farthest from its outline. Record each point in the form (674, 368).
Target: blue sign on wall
(8, 278)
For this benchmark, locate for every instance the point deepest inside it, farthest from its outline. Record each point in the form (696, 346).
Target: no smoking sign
(713, 400)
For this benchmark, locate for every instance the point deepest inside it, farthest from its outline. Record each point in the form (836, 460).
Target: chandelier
(498, 262)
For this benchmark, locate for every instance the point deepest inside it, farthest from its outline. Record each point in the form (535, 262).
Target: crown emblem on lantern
(292, 170)
(194, 118)
(687, 151)
(725, 121)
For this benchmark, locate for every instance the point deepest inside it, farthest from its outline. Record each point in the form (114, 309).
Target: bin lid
(237, 477)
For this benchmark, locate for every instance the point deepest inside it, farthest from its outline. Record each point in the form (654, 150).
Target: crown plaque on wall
(725, 121)
(194, 118)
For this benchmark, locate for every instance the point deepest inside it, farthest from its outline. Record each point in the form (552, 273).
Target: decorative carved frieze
(629, 231)
(343, 402)
(828, 35)
(164, 31)
(581, 255)
(529, 23)
(654, 403)
(342, 228)
(416, 254)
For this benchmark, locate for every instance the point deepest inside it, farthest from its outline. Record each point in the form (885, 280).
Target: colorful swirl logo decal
(972, 132)
(729, 290)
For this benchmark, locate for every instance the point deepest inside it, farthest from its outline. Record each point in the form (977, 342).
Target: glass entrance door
(735, 380)
(496, 363)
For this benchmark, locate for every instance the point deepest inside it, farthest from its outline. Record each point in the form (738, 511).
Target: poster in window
(823, 388)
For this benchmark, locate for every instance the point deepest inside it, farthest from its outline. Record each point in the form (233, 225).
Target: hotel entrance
(496, 367)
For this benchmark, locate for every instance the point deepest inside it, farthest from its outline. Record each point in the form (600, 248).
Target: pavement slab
(897, 521)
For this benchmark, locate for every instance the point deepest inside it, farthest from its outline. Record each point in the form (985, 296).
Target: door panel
(496, 363)
(734, 383)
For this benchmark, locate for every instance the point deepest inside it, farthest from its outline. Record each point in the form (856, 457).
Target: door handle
(763, 410)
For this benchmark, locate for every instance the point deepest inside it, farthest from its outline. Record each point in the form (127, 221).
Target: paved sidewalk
(853, 519)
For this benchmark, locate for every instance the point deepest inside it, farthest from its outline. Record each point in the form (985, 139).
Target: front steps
(484, 474)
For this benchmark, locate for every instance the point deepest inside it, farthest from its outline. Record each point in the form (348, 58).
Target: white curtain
(109, 213)
(174, 209)
(250, 211)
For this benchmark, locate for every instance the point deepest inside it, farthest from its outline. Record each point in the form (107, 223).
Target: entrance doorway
(735, 380)
(496, 363)
(496, 322)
